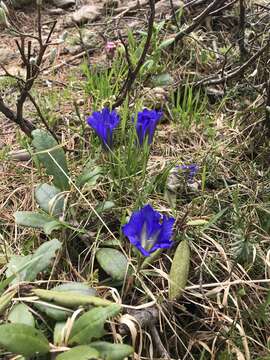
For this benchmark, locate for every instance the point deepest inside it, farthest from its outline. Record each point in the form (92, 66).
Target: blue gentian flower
(149, 231)
(191, 170)
(104, 122)
(146, 124)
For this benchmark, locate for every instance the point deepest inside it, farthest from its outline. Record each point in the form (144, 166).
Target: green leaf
(37, 262)
(48, 198)
(32, 219)
(89, 176)
(82, 352)
(54, 160)
(60, 314)
(179, 270)
(106, 205)
(70, 299)
(23, 339)
(167, 42)
(58, 333)
(5, 300)
(20, 314)
(113, 262)
(51, 226)
(163, 80)
(91, 324)
(197, 222)
(110, 351)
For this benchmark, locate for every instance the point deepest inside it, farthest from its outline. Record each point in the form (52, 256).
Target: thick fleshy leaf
(163, 80)
(48, 198)
(59, 314)
(52, 156)
(82, 352)
(179, 270)
(113, 262)
(70, 299)
(37, 262)
(20, 314)
(32, 219)
(23, 339)
(110, 351)
(91, 324)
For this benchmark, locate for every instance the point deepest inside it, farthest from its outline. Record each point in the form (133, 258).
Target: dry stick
(212, 80)
(132, 74)
(199, 19)
(242, 27)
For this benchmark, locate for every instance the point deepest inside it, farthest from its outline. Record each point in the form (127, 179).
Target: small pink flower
(110, 49)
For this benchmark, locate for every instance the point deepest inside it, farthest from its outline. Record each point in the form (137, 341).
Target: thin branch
(132, 74)
(199, 19)
(242, 27)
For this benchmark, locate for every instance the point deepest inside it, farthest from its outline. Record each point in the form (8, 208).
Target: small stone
(64, 3)
(87, 13)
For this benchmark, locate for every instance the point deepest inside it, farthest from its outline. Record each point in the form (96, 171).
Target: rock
(87, 13)
(64, 3)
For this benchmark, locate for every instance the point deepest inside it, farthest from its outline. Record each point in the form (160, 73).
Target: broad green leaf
(106, 205)
(77, 287)
(58, 333)
(23, 339)
(52, 156)
(163, 80)
(53, 312)
(32, 219)
(110, 351)
(48, 198)
(37, 262)
(113, 262)
(69, 299)
(89, 177)
(20, 314)
(5, 300)
(179, 270)
(82, 352)
(51, 226)
(91, 324)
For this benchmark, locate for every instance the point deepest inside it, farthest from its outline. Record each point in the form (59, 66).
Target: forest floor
(212, 117)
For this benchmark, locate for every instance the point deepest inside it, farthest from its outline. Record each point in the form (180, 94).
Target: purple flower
(149, 231)
(104, 122)
(191, 170)
(146, 124)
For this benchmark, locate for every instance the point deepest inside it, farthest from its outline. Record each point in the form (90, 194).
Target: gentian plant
(146, 125)
(148, 230)
(104, 122)
(191, 170)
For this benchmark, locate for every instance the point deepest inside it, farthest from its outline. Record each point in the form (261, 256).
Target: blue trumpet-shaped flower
(104, 122)
(146, 124)
(148, 230)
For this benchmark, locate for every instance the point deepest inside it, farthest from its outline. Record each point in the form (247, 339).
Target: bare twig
(198, 20)
(132, 74)
(32, 64)
(242, 27)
